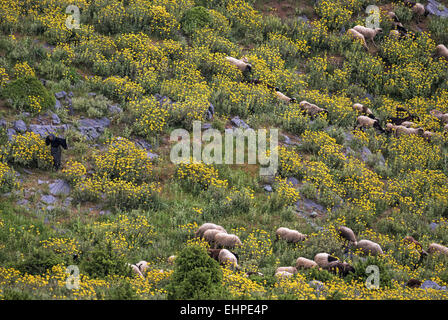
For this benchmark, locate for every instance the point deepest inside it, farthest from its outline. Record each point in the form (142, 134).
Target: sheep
(206, 226)
(347, 234)
(283, 97)
(402, 130)
(142, 266)
(171, 259)
(439, 115)
(283, 274)
(419, 10)
(324, 259)
(249, 273)
(136, 270)
(210, 234)
(408, 124)
(428, 135)
(399, 121)
(362, 108)
(435, 247)
(393, 16)
(227, 240)
(366, 122)
(413, 283)
(311, 109)
(340, 268)
(358, 36)
(441, 51)
(368, 33)
(292, 270)
(225, 257)
(369, 247)
(395, 34)
(304, 263)
(240, 64)
(445, 127)
(290, 235)
(418, 245)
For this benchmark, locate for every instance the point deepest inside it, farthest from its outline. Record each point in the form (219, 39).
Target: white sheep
(206, 226)
(292, 270)
(324, 259)
(226, 257)
(210, 234)
(402, 130)
(369, 247)
(408, 124)
(283, 274)
(227, 240)
(439, 115)
(171, 259)
(428, 135)
(358, 36)
(136, 270)
(441, 51)
(347, 234)
(362, 108)
(240, 64)
(435, 247)
(368, 33)
(290, 235)
(304, 263)
(366, 122)
(142, 266)
(419, 10)
(283, 97)
(311, 108)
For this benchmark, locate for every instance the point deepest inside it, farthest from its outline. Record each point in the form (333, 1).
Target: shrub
(196, 18)
(196, 276)
(28, 94)
(7, 178)
(29, 150)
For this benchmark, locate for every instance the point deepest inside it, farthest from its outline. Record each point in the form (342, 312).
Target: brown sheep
(369, 247)
(304, 263)
(311, 108)
(292, 270)
(227, 240)
(347, 234)
(290, 235)
(210, 234)
(368, 33)
(340, 268)
(437, 248)
(283, 97)
(324, 259)
(206, 226)
(240, 64)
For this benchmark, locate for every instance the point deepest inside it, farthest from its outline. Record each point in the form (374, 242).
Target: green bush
(196, 276)
(196, 18)
(17, 93)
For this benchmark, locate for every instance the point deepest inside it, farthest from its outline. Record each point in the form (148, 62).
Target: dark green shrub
(17, 93)
(39, 261)
(196, 276)
(16, 294)
(123, 291)
(196, 18)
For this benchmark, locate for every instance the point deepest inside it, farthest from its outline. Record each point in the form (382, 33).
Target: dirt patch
(287, 9)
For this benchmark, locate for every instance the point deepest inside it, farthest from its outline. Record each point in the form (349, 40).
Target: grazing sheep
(418, 245)
(368, 33)
(214, 253)
(362, 108)
(171, 259)
(369, 247)
(312, 109)
(435, 247)
(227, 240)
(413, 283)
(428, 135)
(408, 124)
(366, 122)
(399, 121)
(225, 257)
(324, 259)
(210, 234)
(439, 115)
(402, 130)
(136, 270)
(142, 266)
(420, 11)
(441, 51)
(395, 34)
(340, 268)
(283, 274)
(393, 16)
(290, 235)
(240, 64)
(292, 270)
(304, 263)
(347, 234)
(206, 226)
(356, 35)
(283, 97)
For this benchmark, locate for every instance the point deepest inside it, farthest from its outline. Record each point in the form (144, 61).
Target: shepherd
(56, 144)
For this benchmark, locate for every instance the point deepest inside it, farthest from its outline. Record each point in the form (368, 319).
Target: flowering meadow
(148, 67)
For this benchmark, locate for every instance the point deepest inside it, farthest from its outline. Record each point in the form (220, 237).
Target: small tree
(196, 276)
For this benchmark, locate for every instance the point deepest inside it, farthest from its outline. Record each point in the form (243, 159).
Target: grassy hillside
(136, 70)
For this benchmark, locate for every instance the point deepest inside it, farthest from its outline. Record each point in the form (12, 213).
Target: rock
(348, 136)
(433, 225)
(68, 201)
(23, 202)
(93, 128)
(303, 18)
(428, 284)
(57, 105)
(142, 144)
(267, 188)
(319, 286)
(237, 122)
(3, 123)
(60, 95)
(25, 115)
(342, 31)
(311, 205)
(365, 153)
(44, 130)
(106, 212)
(44, 82)
(70, 94)
(348, 151)
(27, 171)
(210, 112)
(152, 155)
(206, 126)
(287, 139)
(114, 109)
(39, 182)
(68, 101)
(55, 118)
(60, 187)
(50, 208)
(437, 9)
(48, 199)
(293, 181)
(20, 126)
(92, 94)
(313, 214)
(11, 133)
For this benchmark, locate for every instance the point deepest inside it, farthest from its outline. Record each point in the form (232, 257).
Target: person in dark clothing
(56, 144)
